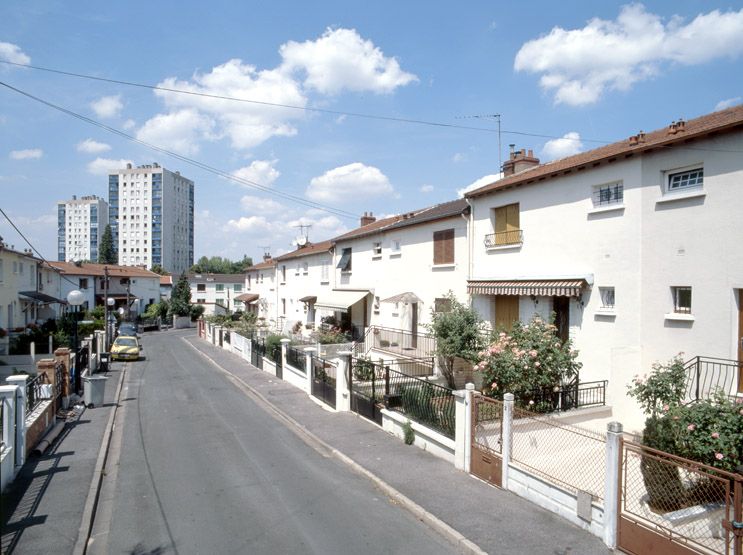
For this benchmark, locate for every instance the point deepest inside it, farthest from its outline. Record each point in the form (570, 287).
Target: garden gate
(487, 441)
(323, 380)
(366, 394)
(677, 506)
(257, 350)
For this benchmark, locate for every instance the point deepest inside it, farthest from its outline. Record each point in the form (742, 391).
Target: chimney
(266, 256)
(367, 218)
(519, 161)
(128, 166)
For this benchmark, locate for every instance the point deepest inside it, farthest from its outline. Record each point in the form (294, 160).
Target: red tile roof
(270, 263)
(91, 269)
(716, 122)
(313, 248)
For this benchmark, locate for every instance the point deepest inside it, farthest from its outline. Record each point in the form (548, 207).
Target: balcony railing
(504, 238)
(397, 341)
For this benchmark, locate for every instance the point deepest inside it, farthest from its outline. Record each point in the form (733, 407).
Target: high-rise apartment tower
(80, 225)
(151, 214)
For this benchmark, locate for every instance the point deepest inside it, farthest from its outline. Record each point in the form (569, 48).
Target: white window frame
(376, 250)
(608, 298)
(675, 292)
(680, 173)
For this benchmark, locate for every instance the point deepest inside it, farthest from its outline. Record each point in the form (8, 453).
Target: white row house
(218, 293)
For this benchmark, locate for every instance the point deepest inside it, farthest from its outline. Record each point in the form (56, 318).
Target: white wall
(304, 277)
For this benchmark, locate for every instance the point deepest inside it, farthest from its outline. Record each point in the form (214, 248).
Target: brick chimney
(519, 161)
(266, 256)
(367, 219)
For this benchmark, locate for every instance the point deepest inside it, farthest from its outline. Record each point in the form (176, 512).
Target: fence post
(506, 435)
(20, 417)
(342, 385)
(284, 346)
(462, 414)
(308, 351)
(611, 487)
(32, 351)
(469, 390)
(62, 355)
(9, 415)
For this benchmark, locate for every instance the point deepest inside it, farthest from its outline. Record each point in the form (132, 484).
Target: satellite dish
(301, 241)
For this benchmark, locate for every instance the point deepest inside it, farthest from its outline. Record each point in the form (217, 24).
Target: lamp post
(75, 298)
(110, 319)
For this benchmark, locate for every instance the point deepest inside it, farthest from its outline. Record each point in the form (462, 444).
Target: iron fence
(564, 397)
(569, 456)
(397, 341)
(707, 375)
(323, 380)
(2, 425)
(36, 392)
(296, 358)
(501, 238)
(58, 379)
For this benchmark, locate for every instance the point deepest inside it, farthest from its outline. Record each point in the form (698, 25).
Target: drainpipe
(470, 238)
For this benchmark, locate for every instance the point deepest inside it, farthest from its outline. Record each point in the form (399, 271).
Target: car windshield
(126, 327)
(126, 342)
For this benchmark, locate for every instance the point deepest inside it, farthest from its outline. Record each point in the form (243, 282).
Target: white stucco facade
(80, 226)
(261, 280)
(217, 292)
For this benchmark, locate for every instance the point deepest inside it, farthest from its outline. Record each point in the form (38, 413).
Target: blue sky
(585, 71)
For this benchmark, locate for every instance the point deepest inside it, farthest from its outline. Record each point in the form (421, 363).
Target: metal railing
(296, 358)
(58, 379)
(565, 397)
(397, 341)
(705, 376)
(36, 393)
(502, 238)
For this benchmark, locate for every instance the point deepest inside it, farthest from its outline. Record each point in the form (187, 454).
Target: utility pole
(128, 308)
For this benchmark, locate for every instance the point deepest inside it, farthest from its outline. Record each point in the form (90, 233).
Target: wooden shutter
(443, 247)
(506, 311)
(512, 217)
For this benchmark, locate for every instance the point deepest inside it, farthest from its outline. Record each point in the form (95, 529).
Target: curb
(91, 501)
(452, 535)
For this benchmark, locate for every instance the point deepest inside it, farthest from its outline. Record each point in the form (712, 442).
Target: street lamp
(110, 318)
(75, 299)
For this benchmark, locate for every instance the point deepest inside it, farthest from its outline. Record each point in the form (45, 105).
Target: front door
(561, 307)
(506, 309)
(414, 325)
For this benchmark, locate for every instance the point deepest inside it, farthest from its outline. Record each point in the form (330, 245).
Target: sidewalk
(496, 520)
(42, 510)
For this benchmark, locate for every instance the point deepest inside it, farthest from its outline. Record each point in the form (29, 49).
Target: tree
(219, 265)
(106, 252)
(180, 298)
(459, 334)
(157, 269)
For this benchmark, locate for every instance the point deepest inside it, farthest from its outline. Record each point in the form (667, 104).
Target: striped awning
(247, 297)
(539, 288)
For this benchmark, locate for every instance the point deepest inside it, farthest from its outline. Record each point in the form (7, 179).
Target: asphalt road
(204, 468)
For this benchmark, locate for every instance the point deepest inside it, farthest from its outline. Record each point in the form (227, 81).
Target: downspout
(470, 239)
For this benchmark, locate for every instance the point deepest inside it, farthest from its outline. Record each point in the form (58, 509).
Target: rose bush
(528, 358)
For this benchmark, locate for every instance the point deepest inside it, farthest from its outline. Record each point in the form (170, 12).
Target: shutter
(438, 244)
(448, 246)
(512, 217)
(443, 247)
(501, 219)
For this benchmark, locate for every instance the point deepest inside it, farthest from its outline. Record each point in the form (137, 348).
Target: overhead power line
(252, 184)
(295, 107)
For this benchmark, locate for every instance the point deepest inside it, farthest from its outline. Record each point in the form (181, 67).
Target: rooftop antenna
(266, 250)
(303, 238)
(497, 118)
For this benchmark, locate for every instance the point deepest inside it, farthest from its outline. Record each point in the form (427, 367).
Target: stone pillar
(33, 352)
(506, 435)
(462, 416)
(8, 400)
(284, 346)
(611, 489)
(469, 390)
(62, 355)
(20, 417)
(46, 366)
(309, 352)
(342, 390)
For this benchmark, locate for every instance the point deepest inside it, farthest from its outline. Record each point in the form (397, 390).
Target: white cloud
(13, 53)
(129, 124)
(107, 106)
(249, 224)
(567, 145)
(27, 154)
(727, 103)
(426, 188)
(578, 66)
(92, 147)
(261, 172)
(102, 166)
(178, 131)
(349, 182)
(259, 205)
(342, 60)
(459, 157)
(485, 180)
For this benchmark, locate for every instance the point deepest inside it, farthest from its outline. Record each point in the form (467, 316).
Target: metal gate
(367, 395)
(323, 381)
(487, 441)
(278, 361)
(257, 350)
(677, 506)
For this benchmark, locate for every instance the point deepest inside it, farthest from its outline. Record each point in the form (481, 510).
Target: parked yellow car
(125, 348)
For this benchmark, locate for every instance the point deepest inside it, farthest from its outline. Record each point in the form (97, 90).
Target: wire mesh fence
(684, 501)
(487, 423)
(569, 456)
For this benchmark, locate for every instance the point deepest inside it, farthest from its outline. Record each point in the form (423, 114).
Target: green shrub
(409, 434)
(363, 370)
(662, 389)
(273, 344)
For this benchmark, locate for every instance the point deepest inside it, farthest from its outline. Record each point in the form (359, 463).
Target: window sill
(449, 266)
(512, 246)
(605, 209)
(377, 257)
(346, 272)
(395, 255)
(325, 282)
(671, 197)
(679, 317)
(606, 313)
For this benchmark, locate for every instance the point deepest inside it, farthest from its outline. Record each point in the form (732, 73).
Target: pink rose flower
(665, 408)
(533, 353)
(719, 456)
(715, 435)
(691, 427)
(537, 364)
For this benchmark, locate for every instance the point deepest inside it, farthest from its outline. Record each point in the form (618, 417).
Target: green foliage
(407, 430)
(662, 389)
(197, 311)
(530, 357)
(459, 333)
(106, 252)
(273, 344)
(157, 269)
(363, 370)
(157, 310)
(219, 265)
(332, 336)
(421, 403)
(180, 298)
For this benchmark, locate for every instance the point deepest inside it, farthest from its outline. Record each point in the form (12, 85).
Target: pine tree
(106, 252)
(180, 298)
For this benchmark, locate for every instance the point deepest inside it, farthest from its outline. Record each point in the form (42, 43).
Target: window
(283, 306)
(220, 302)
(201, 301)
(305, 268)
(377, 248)
(219, 287)
(443, 247)
(686, 179)
(237, 287)
(83, 283)
(283, 274)
(296, 270)
(506, 227)
(376, 305)
(607, 297)
(345, 262)
(442, 304)
(681, 300)
(395, 249)
(325, 271)
(604, 195)
(249, 281)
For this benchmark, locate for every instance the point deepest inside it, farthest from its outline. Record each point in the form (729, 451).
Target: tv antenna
(496, 117)
(266, 250)
(303, 238)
